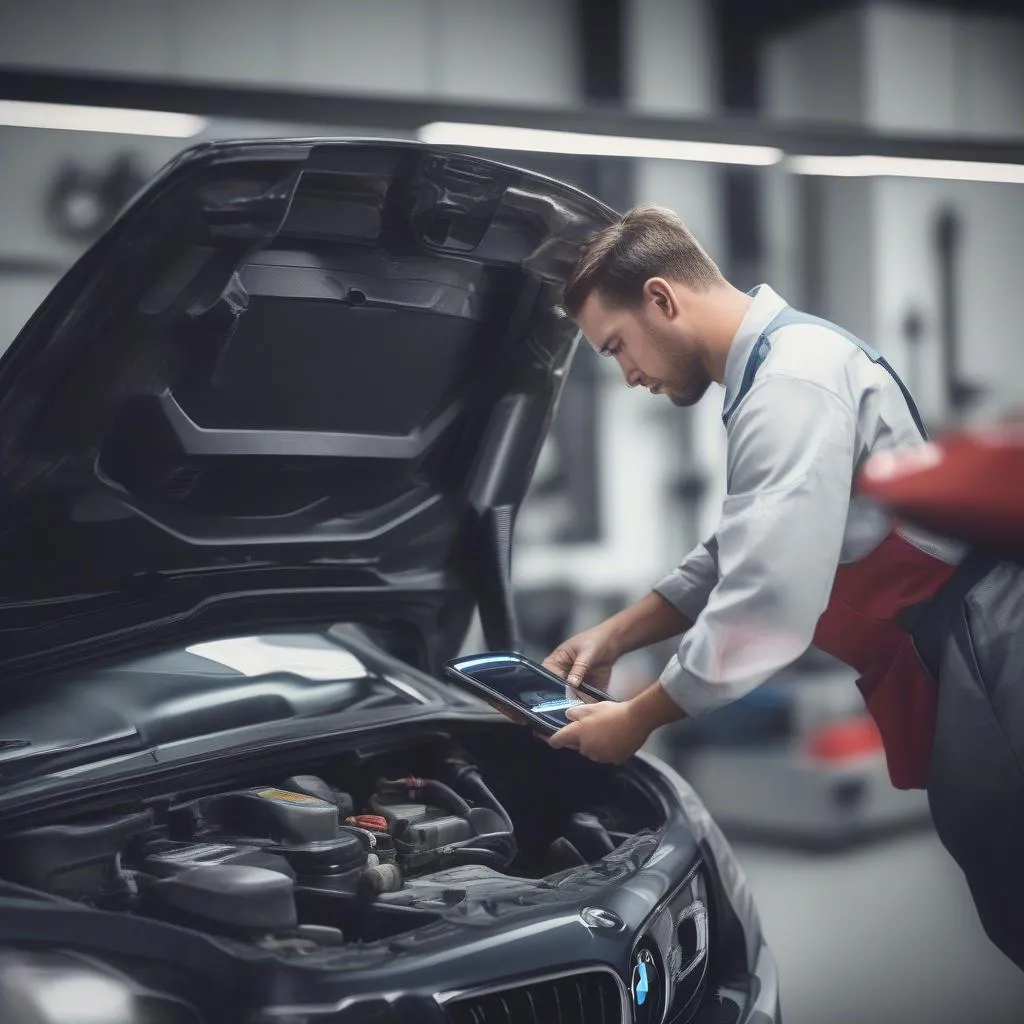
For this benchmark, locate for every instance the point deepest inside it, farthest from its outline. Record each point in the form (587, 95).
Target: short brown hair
(648, 241)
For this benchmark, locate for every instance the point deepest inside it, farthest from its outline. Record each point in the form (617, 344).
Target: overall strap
(790, 316)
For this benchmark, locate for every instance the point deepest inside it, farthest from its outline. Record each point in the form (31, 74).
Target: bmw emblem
(645, 987)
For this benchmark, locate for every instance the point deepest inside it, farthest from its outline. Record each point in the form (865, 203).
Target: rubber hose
(433, 791)
(477, 855)
(488, 840)
(471, 777)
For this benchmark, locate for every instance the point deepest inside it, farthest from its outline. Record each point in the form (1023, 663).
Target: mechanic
(935, 631)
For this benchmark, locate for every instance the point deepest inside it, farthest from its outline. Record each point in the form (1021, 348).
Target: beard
(689, 382)
(687, 399)
(683, 379)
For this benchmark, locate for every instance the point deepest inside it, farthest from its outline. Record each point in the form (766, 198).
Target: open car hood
(297, 381)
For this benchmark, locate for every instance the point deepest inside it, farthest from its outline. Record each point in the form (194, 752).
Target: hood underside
(295, 382)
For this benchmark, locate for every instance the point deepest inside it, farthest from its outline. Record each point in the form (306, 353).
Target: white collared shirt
(796, 438)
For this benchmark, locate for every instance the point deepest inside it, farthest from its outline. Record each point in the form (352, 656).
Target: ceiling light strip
(906, 167)
(112, 120)
(115, 120)
(535, 140)
(539, 140)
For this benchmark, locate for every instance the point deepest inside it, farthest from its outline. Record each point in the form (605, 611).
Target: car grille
(588, 997)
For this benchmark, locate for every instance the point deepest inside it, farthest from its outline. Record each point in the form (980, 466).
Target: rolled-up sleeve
(790, 471)
(689, 585)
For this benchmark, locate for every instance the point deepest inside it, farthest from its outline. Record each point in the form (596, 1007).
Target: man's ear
(658, 291)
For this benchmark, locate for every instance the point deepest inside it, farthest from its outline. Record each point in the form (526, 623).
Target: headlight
(669, 969)
(60, 987)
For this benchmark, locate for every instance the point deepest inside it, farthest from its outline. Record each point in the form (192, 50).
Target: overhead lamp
(114, 120)
(542, 140)
(905, 167)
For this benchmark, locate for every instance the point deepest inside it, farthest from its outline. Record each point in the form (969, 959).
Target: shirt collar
(763, 310)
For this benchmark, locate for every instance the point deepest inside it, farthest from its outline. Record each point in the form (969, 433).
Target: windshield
(193, 691)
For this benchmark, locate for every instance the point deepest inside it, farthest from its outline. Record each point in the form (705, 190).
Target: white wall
(674, 66)
(816, 71)
(911, 84)
(632, 456)
(31, 159)
(991, 279)
(468, 49)
(670, 69)
(525, 52)
(671, 56)
(902, 68)
(852, 240)
(910, 69)
(944, 71)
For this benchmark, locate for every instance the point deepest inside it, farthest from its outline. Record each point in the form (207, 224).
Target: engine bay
(312, 859)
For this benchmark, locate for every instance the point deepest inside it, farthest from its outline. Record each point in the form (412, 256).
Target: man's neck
(724, 312)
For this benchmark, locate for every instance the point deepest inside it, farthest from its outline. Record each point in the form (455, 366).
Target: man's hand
(612, 731)
(608, 731)
(587, 657)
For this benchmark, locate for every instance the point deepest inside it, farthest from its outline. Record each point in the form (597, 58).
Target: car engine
(299, 864)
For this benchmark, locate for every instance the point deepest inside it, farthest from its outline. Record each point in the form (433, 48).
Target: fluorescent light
(538, 140)
(68, 117)
(906, 167)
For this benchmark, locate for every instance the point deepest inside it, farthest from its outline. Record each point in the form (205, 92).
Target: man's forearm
(649, 621)
(654, 708)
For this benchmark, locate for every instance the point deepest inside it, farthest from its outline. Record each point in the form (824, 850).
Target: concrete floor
(883, 934)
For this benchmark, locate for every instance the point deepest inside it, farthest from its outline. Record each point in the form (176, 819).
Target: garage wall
(31, 161)
(935, 71)
(675, 68)
(990, 277)
(908, 69)
(817, 71)
(669, 69)
(486, 49)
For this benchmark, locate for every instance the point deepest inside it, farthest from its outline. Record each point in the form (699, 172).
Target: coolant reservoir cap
(289, 797)
(277, 814)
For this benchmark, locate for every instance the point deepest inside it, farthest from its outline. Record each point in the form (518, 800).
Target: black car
(261, 452)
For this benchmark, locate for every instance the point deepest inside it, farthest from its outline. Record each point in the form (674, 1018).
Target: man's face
(652, 345)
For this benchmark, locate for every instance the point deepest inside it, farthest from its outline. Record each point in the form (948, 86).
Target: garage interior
(748, 120)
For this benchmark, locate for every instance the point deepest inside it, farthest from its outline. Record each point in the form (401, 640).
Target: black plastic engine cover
(236, 898)
(328, 857)
(165, 858)
(77, 860)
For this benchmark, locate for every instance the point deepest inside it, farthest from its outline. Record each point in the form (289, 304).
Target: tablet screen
(522, 685)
